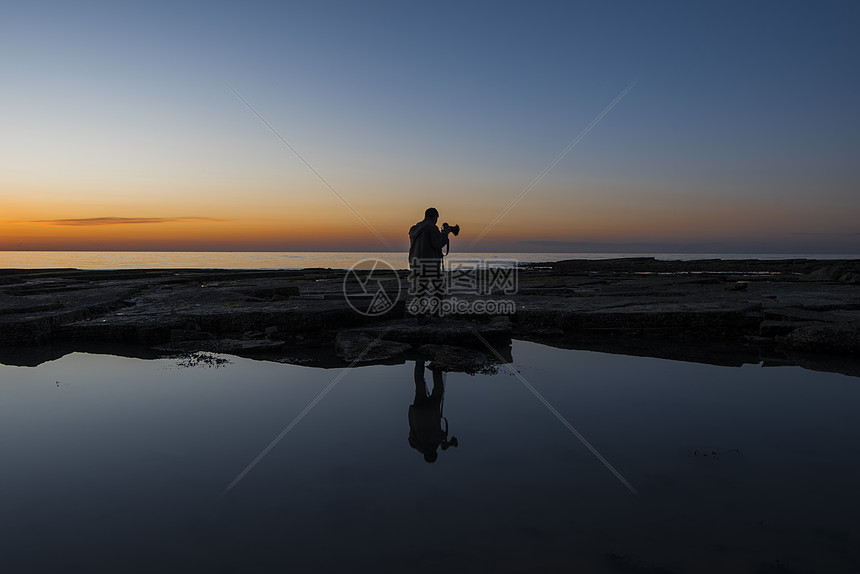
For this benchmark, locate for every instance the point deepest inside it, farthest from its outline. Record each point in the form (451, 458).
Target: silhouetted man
(425, 416)
(425, 254)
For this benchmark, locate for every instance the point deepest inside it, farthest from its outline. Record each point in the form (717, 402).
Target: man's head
(431, 213)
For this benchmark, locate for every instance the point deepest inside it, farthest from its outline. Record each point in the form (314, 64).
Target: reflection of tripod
(425, 416)
(445, 442)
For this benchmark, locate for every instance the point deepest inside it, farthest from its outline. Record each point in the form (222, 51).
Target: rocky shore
(728, 312)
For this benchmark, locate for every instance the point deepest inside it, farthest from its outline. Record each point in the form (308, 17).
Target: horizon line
(598, 251)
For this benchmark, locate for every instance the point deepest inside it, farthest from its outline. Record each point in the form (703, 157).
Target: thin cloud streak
(827, 233)
(97, 221)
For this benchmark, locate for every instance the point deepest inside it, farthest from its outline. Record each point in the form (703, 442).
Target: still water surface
(119, 464)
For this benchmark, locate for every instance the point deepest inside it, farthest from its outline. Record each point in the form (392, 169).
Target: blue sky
(741, 132)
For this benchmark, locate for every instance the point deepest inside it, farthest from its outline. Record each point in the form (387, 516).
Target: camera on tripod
(455, 229)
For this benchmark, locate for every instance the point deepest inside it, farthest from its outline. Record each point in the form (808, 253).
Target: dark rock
(460, 359)
(441, 330)
(850, 278)
(687, 309)
(275, 292)
(228, 346)
(826, 338)
(179, 335)
(771, 328)
(842, 272)
(359, 346)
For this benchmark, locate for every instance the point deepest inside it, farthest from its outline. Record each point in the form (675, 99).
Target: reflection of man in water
(425, 416)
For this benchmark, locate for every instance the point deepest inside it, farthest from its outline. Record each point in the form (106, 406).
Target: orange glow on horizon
(313, 220)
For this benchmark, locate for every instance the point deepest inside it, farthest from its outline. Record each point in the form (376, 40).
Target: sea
(326, 259)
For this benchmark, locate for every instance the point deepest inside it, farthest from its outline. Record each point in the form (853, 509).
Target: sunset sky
(740, 132)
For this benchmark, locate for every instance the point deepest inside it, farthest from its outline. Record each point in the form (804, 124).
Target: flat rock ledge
(801, 311)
